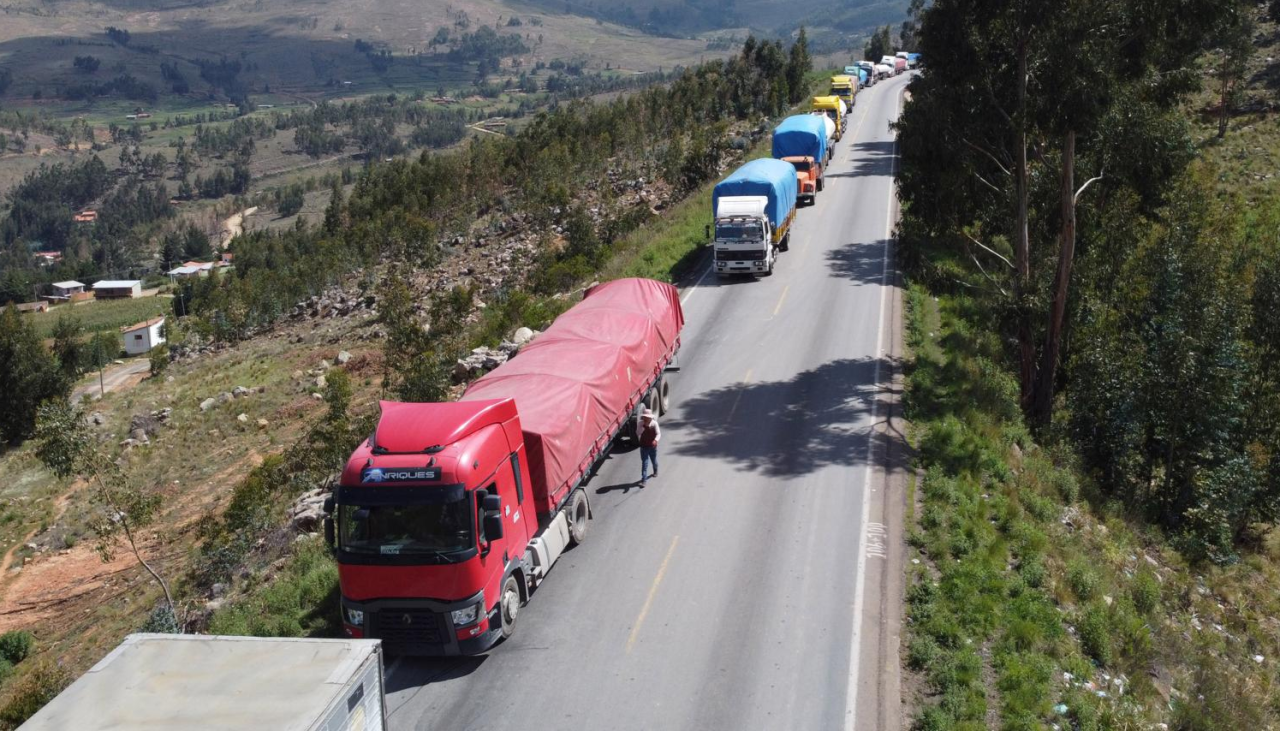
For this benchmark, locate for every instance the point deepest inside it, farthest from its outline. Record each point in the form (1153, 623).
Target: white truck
(754, 208)
(217, 683)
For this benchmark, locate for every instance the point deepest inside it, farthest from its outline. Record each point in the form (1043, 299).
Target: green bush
(1145, 592)
(159, 360)
(922, 651)
(301, 602)
(32, 691)
(1083, 580)
(16, 645)
(1095, 634)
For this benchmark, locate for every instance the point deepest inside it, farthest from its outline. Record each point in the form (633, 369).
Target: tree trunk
(1042, 404)
(1222, 108)
(1022, 238)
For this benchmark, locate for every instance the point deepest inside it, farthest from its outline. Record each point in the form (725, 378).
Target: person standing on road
(649, 436)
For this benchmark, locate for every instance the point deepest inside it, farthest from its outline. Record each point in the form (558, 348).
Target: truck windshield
(397, 530)
(801, 165)
(739, 230)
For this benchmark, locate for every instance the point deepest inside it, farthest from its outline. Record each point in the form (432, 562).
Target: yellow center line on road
(781, 299)
(745, 380)
(653, 591)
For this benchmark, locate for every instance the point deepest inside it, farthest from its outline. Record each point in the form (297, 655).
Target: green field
(96, 316)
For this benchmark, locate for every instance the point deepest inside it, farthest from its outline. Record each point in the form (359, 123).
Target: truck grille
(407, 627)
(740, 255)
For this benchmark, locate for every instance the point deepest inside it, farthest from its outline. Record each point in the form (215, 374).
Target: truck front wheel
(578, 515)
(510, 605)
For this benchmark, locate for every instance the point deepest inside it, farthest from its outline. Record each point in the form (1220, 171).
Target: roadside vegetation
(1092, 396)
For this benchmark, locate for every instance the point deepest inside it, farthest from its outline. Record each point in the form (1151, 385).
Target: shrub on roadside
(16, 645)
(32, 691)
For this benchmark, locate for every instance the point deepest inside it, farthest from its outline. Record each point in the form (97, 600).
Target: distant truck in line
(845, 87)
(835, 109)
(155, 681)
(754, 208)
(802, 141)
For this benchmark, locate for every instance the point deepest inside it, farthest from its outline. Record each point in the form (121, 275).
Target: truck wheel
(651, 400)
(785, 243)
(578, 515)
(664, 397)
(821, 184)
(510, 605)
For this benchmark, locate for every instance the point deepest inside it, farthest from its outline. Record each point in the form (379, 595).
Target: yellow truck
(835, 109)
(845, 87)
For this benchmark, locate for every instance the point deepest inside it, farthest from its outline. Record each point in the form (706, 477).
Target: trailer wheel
(652, 401)
(579, 515)
(510, 605)
(664, 397)
(821, 184)
(785, 244)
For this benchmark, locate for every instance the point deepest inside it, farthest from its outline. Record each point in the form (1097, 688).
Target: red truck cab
(434, 504)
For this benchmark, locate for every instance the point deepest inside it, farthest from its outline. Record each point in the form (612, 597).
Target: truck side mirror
(492, 503)
(706, 232)
(492, 526)
(329, 532)
(328, 505)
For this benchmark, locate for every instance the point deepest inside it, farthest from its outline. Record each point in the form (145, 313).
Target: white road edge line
(696, 284)
(859, 586)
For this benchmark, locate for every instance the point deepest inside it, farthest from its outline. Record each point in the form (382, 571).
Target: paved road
(745, 588)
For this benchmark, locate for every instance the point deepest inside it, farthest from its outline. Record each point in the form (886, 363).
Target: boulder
(262, 423)
(343, 357)
(240, 391)
(97, 418)
(522, 336)
(207, 404)
(224, 397)
(145, 424)
(139, 436)
(307, 513)
(320, 382)
(243, 418)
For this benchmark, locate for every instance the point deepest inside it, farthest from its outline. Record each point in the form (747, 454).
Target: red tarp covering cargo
(577, 382)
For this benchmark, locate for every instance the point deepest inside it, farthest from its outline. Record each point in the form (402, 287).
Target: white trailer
(217, 683)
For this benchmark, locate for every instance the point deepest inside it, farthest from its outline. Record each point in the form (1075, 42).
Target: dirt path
(234, 226)
(119, 378)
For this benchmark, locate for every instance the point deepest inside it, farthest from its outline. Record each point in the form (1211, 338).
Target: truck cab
(744, 237)
(845, 87)
(835, 109)
(809, 178)
(431, 514)
(869, 72)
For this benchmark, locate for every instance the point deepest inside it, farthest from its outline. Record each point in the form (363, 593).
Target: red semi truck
(446, 520)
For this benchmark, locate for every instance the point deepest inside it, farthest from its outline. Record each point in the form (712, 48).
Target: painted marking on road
(653, 591)
(745, 380)
(694, 288)
(860, 569)
(876, 546)
(781, 299)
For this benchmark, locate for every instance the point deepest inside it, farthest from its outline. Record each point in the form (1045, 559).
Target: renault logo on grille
(407, 619)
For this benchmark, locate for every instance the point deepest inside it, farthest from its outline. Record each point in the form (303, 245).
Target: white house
(63, 290)
(188, 271)
(118, 289)
(141, 338)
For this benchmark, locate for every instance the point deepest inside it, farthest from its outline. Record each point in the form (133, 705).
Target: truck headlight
(464, 617)
(354, 616)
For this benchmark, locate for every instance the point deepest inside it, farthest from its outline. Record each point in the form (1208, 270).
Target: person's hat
(646, 414)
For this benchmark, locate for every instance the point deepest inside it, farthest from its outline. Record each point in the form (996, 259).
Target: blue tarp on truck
(773, 179)
(803, 135)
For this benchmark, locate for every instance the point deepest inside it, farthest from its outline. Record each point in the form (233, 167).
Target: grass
(99, 315)
(300, 601)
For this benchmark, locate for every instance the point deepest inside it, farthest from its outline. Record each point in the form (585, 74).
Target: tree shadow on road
(860, 262)
(871, 160)
(789, 428)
